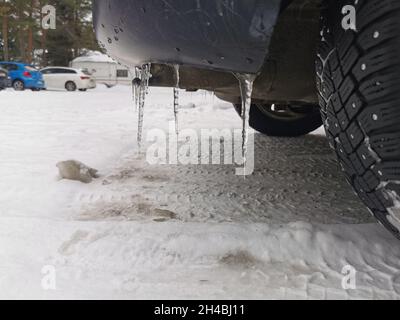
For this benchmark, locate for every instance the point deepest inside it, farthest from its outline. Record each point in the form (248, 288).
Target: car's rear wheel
(83, 90)
(70, 86)
(358, 79)
(283, 120)
(18, 85)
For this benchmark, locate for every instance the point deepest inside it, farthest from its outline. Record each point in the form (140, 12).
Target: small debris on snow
(188, 106)
(77, 171)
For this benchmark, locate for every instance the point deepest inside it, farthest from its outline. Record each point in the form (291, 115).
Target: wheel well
(289, 70)
(288, 73)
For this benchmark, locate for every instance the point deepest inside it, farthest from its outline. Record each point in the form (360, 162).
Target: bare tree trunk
(76, 28)
(4, 13)
(5, 38)
(43, 38)
(21, 33)
(43, 41)
(30, 32)
(29, 51)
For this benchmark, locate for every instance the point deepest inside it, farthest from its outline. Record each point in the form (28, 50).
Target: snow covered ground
(163, 231)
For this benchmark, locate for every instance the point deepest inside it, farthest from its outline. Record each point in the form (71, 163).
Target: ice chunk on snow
(77, 171)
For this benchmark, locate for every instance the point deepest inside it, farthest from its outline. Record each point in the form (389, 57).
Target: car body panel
(213, 34)
(33, 79)
(285, 61)
(5, 80)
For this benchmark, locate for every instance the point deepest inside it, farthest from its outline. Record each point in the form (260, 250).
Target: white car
(67, 78)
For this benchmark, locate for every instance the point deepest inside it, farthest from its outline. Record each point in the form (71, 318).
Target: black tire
(294, 122)
(18, 85)
(83, 90)
(70, 86)
(358, 79)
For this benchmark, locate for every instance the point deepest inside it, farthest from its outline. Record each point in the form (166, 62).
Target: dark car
(335, 62)
(23, 76)
(5, 80)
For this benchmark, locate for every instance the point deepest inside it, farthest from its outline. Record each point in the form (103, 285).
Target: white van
(103, 69)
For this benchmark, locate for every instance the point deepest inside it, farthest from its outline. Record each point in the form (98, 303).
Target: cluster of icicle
(140, 88)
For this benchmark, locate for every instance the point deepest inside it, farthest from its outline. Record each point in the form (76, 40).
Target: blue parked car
(24, 76)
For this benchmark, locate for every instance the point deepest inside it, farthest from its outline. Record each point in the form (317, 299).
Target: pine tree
(22, 37)
(74, 33)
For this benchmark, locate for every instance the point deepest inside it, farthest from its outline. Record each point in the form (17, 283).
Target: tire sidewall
(70, 86)
(20, 87)
(271, 126)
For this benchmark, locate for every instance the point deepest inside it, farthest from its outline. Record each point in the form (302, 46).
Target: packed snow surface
(145, 231)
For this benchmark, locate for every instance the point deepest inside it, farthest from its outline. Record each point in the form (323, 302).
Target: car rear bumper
(34, 84)
(5, 83)
(92, 84)
(86, 84)
(221, 35)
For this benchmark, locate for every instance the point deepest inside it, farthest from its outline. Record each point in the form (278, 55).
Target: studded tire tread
(358, 80)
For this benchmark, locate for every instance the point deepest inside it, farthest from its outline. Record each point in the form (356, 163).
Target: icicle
(176, 110)
(134, 91)
(142, 98)
(143, 90)
(136, 87)
(176, 98)
(246, 82)
(147, 76)
(138, 76)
